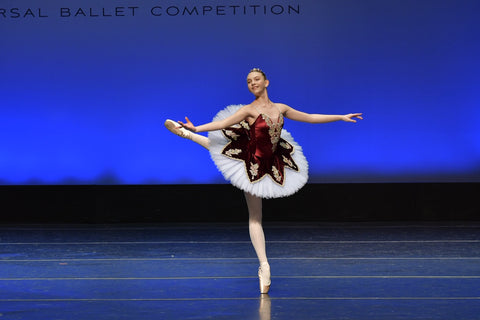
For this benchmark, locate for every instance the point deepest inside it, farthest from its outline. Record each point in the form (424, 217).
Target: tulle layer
(234, 170)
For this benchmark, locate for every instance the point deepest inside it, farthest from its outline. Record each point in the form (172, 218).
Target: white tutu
(233, 170)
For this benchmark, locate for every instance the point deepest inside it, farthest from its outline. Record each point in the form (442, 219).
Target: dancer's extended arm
(242, 114)
(296, 115)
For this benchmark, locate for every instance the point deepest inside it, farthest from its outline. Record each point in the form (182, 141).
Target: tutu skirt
(234, 170)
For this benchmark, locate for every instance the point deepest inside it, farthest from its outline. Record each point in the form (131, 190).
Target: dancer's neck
(263, 99)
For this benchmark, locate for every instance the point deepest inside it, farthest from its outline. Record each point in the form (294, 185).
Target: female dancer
(255, 154)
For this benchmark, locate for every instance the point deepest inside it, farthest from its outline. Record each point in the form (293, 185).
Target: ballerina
(252, 150)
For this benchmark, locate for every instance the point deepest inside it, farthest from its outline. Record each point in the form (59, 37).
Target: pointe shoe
(175, 128)
(264, 277)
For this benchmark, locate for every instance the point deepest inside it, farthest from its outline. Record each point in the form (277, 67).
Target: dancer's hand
(349, 117)
(188, 125)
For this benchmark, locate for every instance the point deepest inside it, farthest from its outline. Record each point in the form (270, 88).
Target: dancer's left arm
(296, 115)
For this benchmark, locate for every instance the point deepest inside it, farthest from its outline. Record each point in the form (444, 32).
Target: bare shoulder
(249, 109)
(282, 107)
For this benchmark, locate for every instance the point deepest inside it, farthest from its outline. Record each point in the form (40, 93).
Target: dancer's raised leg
(175, 128)
(257, 237)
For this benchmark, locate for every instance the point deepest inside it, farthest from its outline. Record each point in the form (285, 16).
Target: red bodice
(261, 148)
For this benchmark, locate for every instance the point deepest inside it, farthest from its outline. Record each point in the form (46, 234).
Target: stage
(320, 270)
(106, 214)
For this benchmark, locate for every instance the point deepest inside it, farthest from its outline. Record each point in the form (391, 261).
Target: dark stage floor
(208, 271)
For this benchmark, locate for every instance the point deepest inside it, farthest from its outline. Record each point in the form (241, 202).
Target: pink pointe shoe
(264, 277)
(175, 128)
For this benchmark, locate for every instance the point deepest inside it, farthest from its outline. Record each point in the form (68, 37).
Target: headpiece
(260, 71)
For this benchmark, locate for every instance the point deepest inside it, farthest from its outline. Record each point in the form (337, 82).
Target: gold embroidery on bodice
(275, 129)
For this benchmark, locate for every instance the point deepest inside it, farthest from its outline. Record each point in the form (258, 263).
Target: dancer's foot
(264, 277)
(174, 127)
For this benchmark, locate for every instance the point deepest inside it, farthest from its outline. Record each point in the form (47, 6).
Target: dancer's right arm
(242, 114)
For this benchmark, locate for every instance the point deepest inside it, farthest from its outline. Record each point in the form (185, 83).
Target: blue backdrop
(86, 85)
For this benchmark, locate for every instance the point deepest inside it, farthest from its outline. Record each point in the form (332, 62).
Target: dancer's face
(256, 83)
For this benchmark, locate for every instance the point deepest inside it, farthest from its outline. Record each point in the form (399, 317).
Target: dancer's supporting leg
(257, 236)
(174, 127)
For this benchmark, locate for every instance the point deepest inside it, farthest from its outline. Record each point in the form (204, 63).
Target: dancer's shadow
(265, 307)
